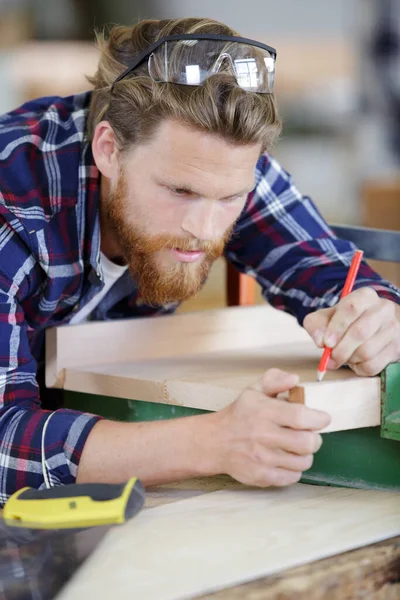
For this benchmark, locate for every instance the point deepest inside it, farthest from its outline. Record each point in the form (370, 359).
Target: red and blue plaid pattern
(50, 267)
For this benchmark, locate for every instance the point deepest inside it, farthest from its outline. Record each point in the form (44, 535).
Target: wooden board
(212, 382)
(228, 537)
(204, 360)
(172, 336)
(372, 571)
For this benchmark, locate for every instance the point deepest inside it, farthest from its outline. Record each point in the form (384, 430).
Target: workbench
(372, 572)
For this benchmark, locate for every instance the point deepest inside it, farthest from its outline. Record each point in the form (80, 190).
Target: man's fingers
(274, 458)
(372, 348)
(359, 333)
(275, 381)
(316, 323)
(276, 477)
(302, 443)
(299, 417)
(348, 310)
(375, 365)
(294, 462)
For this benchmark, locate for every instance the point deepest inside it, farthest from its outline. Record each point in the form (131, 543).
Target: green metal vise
(390, 402)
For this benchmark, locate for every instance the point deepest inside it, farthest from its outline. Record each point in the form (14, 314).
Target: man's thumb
(275, 381)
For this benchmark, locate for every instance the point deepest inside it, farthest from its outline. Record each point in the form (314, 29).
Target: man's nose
(202, 222)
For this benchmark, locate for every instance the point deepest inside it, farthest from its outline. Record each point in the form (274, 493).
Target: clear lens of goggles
(191, 62)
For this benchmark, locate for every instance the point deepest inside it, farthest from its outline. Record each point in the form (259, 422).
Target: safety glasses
(190, 59)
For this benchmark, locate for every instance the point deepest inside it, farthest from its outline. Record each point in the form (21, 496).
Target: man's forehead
(176, 141)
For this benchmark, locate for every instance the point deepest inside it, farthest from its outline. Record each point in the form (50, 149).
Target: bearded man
(115, 203)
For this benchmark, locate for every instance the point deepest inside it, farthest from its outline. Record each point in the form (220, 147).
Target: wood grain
(371, 573)
(297, 395)
(204, 361)
(131, 340)
(229, 537)
(214, 381)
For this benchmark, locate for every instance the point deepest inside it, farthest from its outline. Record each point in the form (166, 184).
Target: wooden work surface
(369, 573)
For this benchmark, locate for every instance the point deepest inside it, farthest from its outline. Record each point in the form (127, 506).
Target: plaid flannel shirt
(50, 267)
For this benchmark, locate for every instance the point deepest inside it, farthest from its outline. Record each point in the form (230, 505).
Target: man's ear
(105, 151)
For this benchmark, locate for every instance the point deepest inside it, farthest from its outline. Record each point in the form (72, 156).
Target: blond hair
(138, 104)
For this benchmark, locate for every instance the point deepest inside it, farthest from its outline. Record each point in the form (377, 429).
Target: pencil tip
(320, 375)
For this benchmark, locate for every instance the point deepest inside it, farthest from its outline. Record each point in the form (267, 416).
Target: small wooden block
(296, 395)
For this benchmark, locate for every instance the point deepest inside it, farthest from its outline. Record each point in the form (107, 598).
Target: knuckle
(368, 293)
(365, 353)
(388, 308)
(281, 477)
(360, 330)
(357, 368)
(310, 319)
(266, 478)
(299, 416)
(248, 399)
(367, 369)
(340, 356)
(261, 481)
(350, 305)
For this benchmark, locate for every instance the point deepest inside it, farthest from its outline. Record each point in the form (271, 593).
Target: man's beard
(159, 286)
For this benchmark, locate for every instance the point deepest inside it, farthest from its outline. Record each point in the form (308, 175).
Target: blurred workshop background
(337, 84)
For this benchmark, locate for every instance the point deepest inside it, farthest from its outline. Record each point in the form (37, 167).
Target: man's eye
(179, 191)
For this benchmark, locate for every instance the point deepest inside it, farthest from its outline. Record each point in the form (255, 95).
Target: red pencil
(348, 287)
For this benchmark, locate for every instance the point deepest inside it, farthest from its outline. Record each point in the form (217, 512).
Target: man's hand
(258, 440)
(362, 329)
(261, 440)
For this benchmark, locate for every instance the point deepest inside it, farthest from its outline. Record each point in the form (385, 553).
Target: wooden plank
(172, 336)
(229, 537)
(352, 403)
(372, 571)
(214, 381)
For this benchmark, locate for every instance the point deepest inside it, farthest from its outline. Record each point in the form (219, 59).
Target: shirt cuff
(63, 443)
(384, 289)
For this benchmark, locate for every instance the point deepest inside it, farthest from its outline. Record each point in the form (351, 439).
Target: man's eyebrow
(189, 190)
(241, 193)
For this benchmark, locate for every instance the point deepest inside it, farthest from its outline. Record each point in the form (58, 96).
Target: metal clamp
(390, 402)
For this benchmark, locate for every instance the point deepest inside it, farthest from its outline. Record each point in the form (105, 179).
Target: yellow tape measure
(75, 505)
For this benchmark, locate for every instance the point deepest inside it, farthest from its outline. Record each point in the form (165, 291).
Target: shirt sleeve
(284, 243)
(21, 419)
